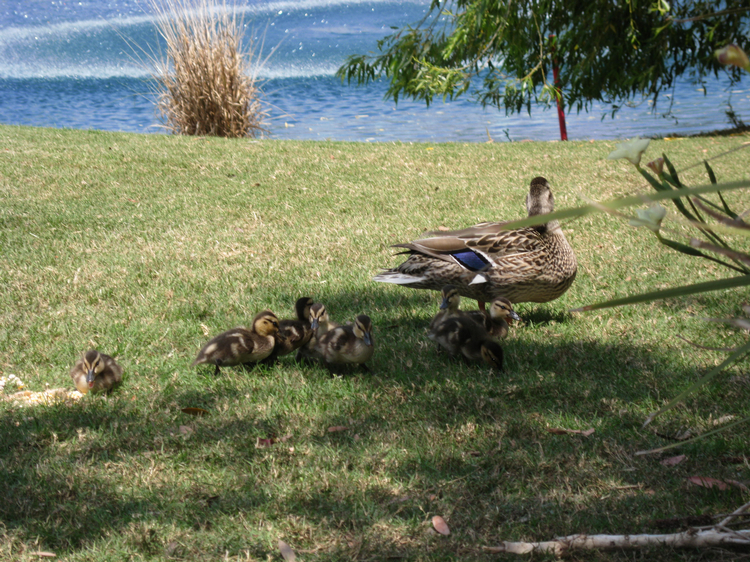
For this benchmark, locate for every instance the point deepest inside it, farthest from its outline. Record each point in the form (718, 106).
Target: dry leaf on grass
(335, 428)
(43, 554)
(563, 431)
(287, 552)
(195, 411)
(440, 525)
(186, 429)
(707, 482)
(673, 461)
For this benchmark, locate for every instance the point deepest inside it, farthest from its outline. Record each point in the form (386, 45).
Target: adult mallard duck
(532, 264)
(95, 372)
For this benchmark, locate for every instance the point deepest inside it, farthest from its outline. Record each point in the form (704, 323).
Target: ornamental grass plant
(206, 85)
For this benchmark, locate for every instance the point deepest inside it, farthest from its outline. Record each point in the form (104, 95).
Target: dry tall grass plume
(206, 85)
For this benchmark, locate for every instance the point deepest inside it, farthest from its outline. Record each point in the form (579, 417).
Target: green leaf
(711, 175)
(730, 283)
(680, 247)
(656, 184)
(672, 171)
(727, 210)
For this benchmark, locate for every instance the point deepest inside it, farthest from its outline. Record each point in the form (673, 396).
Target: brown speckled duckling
(347, 345)
(495, 320)
(240, 345)
(95, 372)
(448, 306)
(461, 336)
(320, 323)
(293, 333)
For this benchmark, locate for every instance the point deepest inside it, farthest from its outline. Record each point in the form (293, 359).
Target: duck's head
(503, 308)
(363, 328)
(318, 314)
(302, 308)
(94, 364)
(492, 354)
(266, 324)
(451, 298)
(540, 200)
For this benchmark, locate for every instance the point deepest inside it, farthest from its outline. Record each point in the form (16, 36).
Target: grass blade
(693, 439)
(731, 283)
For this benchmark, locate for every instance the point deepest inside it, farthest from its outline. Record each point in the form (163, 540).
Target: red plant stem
(558, 97)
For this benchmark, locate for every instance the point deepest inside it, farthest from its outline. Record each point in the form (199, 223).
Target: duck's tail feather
(397, 278)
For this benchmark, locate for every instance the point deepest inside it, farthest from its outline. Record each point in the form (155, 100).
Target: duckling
(448, 306)
(240, 345)
(293, 334)
(492, 354)
(319, 319)
(96, 372)
(350, 344)
(461, 336)
(320, 323)
(495, 321)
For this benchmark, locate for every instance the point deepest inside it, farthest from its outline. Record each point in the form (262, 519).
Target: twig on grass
(691, 538)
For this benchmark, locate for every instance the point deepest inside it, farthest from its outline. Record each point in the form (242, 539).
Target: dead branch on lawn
(691, 538)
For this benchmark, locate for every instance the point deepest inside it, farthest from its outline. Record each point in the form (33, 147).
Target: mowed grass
(145, 246)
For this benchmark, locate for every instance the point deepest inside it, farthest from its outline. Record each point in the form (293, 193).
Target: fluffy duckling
(320, 323)
(239, 345)
(461, 336)
(492, 354)
(347, 345)
(293, 333)
(95, 372)
(319, 319)
(495, 321)
(448, 306)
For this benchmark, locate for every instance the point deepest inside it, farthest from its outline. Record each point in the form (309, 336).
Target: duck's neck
(553, 227)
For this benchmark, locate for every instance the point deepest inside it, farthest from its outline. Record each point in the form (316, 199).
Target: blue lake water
(85, 64)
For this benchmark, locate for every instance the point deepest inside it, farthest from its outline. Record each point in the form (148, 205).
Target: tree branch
(687, 539)
(713, 15)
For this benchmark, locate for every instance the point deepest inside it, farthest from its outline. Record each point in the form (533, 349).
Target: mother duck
(485, 261)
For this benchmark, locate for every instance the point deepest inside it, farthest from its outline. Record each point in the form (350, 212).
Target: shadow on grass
(423, 436)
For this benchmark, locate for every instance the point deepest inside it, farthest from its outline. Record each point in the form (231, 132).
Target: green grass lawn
(145, 246)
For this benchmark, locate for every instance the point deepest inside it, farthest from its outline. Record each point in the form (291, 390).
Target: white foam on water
(19, 45)
(10, 35)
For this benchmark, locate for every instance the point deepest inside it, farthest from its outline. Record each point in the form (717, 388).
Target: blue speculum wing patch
(471, 260)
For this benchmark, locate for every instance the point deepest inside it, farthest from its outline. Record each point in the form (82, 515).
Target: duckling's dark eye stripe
(471, 260)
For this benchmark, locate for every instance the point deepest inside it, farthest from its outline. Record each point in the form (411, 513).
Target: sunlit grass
(145, 245)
